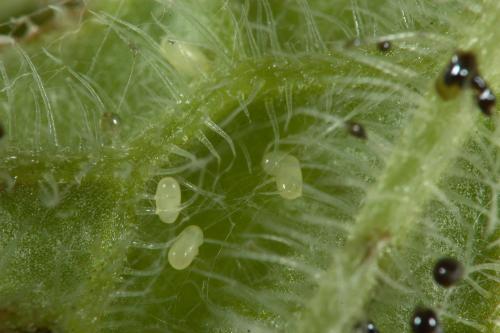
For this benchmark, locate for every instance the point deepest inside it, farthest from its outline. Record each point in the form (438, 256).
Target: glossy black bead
(356, 129)
(461, 73)
(384, 46)
(462, 68)
(425, 321)
(447, 272)
(486, 101)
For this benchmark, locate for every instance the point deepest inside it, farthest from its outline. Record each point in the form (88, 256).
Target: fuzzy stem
(429, 144)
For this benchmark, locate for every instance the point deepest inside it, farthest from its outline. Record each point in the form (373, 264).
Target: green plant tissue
(249, 166)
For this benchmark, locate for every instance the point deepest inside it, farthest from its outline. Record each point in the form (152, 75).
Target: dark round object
(384, 46)
(447, 272)
(461, 73)
(356, 129)
(425, 321)
(485, 98)
(486, 101)
(462, 68)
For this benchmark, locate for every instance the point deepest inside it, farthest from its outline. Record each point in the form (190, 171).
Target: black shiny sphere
(462, 68)
(486, 101)
(447, 272)
(357, 130)
(425, 321)
(384, 45)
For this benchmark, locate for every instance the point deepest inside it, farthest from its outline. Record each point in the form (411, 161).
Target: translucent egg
(271, 161)
(185, 247)
(287, 173)
(185, 58)
(168, 199)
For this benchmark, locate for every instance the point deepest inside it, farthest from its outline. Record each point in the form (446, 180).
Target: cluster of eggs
(287, 174)
(168, 206)
(447, 272)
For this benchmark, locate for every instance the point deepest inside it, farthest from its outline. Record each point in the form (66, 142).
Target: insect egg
(458, 74)
(271, 161)
(486, 101)
(185, 58)
(185, 247)
(357, 130)
(384, 45)
(287, 172)
(425, 321)
(168, 199)
(462, 67)
(289, 178)
(447, 272)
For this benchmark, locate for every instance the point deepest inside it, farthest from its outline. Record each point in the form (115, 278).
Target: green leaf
(103, 99)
